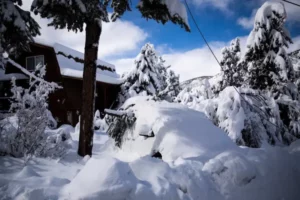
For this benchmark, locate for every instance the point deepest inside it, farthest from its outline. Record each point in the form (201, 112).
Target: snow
(198, 161)
(70, 68)
(176, 7)
(167, 124)
(114, 177)
(269, 9)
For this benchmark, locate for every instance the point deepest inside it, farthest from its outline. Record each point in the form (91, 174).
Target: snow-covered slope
(193, 82)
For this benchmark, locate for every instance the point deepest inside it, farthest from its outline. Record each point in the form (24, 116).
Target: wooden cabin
(65, 103)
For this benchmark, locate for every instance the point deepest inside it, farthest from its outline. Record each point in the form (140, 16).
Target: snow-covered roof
(71, 68)
(8, 77)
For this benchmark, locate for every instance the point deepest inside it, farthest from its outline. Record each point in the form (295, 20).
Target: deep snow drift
(199, 161)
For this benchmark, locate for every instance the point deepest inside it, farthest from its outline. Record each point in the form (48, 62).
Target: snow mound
(178, 131)
(105, 177)
(229, 170)
(26, 172)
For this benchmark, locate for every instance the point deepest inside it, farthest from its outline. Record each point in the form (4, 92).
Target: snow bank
(104, 177)
(53, 142)
(178, 131)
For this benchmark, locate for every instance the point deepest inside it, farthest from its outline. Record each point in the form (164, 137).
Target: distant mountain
(295, 54)
(186, 83)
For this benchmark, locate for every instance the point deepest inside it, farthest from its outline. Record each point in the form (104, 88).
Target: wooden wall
(65, 104)
(106, 95)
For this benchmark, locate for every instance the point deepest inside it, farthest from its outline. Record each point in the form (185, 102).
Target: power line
(201, 33)
(203, 37)
(291, 3)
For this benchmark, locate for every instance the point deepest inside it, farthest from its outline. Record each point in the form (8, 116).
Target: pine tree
(150, 76)
(145, 78)
(17, 29)
(269, 66)
(231, 70)
(162, 70)
(74, 14)
(173, 86)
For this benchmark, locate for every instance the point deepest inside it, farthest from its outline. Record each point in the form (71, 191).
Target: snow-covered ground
(199, 161)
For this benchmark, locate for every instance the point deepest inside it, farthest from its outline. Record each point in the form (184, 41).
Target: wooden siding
(65, 104)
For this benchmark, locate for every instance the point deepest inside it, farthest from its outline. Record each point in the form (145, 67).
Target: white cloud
(291, 10)
(219, 4)
(117, 39)
(247, 22)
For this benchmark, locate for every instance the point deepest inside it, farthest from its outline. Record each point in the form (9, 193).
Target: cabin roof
(71, 68)
(106, 72)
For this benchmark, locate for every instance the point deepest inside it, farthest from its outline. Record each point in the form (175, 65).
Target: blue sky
(220, 21)
(217, 24)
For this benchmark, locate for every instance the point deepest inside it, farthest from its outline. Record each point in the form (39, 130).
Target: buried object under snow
(171, 129)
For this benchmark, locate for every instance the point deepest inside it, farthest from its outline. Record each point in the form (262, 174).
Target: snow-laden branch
(31, 75)
(115, 113)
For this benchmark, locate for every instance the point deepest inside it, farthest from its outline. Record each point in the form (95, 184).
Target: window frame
(35, 64)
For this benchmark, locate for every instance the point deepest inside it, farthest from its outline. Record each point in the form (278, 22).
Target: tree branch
(25, 71)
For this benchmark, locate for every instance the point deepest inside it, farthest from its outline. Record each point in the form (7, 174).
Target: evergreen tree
(269, 66)
(173, 86)
(17, 29)
(295, 58)
(231, 69)
(74, 14)
(145, 78)
(162, 70)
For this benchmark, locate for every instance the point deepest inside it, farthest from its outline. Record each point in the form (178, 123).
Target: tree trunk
(93, 31)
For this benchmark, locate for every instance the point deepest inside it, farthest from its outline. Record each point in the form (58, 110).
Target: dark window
(34, 61)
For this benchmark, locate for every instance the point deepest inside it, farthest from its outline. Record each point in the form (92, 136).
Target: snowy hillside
(193, 82)
(198, 162)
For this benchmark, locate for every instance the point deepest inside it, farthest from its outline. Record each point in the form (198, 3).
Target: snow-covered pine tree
(231, 70)
(145, 78)
(163, 71)
(269, 66)
(17, 29)
(74, 14)
(150, 76)
(173, 86)
(295, 58)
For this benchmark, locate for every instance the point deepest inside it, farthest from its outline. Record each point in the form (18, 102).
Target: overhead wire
(295, 4)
